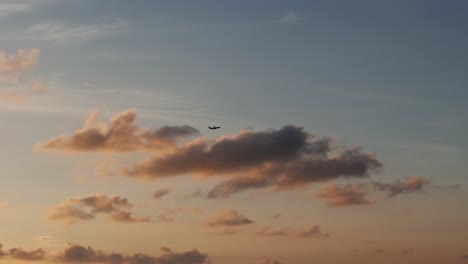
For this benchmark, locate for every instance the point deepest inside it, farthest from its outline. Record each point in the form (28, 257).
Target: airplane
(213, 127)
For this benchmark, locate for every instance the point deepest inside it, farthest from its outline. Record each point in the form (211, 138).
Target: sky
(342, 132)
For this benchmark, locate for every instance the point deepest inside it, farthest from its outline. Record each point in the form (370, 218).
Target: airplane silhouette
(213, 127)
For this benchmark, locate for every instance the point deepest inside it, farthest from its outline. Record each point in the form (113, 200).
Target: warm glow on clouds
(73, 210)
(120, 135)
(345, 195)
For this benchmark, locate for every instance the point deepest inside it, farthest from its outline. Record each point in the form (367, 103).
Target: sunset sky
(342, 139)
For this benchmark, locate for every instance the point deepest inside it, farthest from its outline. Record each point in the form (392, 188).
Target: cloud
(307, 232)
(160, 193)
(345, 195)
(228, 217)
(73, 210)
(406, 251)
(10, 8)
(194, 194)
(57, 33)
(448, 187)
(464, 257)
(170, 213)
(13, 74)
(290, 17)
(410, 185)
(312, 231)
(20, 254)
(283, 159)
(77, 253)
(120, 135)
(22, 61)
(268, 261)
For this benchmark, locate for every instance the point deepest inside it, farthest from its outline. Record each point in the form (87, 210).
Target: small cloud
(268, 261)
(307, 232)
(160, 193)
(409, 185)
(86, 208)
(346, 195)
(290, 17)
(275, 216)
(406, 251)
(228, 217)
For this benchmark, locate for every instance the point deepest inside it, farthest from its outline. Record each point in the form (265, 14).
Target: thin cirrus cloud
(120, 135)
(409, 185)
(307, 232)
(170, 213)
(343, 195)
(57, 33)
(86, 208)
(228, 218)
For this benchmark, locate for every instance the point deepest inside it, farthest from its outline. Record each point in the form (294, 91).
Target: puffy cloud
(160, 193)
(345, 195)
(86, 208)
(284, 158)
(77, 253)
(310, 231)
(409, 185)
(228, 217)
(120, 135)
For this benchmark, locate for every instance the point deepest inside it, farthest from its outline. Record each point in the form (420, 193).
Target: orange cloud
(21, 61)
(121, 135)
(73, 210)
(13, 70)
(228, 217)
(345, 195)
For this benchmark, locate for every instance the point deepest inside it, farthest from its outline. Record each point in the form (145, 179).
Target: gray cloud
(86, 208)
(283, 159)
(409, 185)
(307, 232)
(78, 253)
(23, 255)
(160, 193)
(344, 195)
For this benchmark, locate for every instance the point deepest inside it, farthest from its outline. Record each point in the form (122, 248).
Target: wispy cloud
(290, 17)
(58, 33)
(390, 98)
